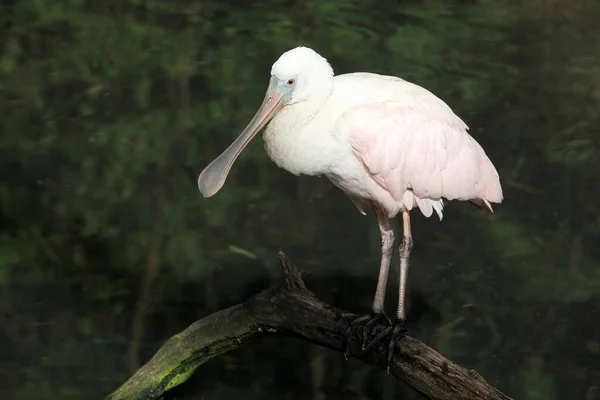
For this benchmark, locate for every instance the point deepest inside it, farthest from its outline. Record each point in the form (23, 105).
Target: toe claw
(375, 318)
(368, 321)
(350, 332)
(395, 330)
(400, 330)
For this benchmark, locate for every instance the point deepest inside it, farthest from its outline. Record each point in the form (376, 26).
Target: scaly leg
(387, 249)
(399, 328)
(405, 248)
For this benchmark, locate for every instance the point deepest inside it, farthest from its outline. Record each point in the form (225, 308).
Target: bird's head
(302, 73)
(299, 75)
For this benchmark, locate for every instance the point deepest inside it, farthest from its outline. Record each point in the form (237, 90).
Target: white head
(306, 73)
(299, 75)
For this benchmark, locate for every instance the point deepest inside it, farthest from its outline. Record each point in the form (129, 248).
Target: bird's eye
(291, 82)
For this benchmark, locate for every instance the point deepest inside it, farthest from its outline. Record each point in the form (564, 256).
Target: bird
(390, 145)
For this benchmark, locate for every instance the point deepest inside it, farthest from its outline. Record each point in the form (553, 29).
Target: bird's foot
(395, 332)
(369, 321)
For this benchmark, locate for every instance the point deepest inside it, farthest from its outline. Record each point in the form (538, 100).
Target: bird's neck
(295, 143)
(304, 112)
(320, 88)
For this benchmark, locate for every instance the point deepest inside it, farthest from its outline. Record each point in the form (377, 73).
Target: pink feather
(421, 152)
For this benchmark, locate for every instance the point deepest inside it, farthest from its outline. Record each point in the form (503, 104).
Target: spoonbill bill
(389, 144)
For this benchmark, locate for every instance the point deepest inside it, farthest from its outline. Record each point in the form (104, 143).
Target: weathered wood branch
(291, 309)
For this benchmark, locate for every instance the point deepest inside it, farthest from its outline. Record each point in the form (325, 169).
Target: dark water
(108, 112)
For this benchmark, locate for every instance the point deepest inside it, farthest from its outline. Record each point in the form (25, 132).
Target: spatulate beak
(213, 176)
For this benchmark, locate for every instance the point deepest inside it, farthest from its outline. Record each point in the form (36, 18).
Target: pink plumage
(420, 154)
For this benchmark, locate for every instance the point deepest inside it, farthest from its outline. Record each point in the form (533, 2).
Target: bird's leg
(405, 248)
(399, 328)
(387, 248)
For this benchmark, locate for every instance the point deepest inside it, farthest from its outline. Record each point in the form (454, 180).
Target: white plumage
(385, 142)
(401, 136)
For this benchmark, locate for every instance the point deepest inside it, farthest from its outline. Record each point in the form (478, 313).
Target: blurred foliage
(109, 110)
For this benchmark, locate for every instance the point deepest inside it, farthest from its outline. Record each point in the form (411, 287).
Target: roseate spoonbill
(387, 143)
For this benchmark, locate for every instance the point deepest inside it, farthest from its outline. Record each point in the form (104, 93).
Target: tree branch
(292, 309)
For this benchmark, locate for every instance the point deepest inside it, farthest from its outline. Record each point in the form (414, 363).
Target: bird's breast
(301, 148)
(306, 151)
(316, 144)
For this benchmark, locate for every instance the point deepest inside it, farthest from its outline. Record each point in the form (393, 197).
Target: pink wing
(425, 147)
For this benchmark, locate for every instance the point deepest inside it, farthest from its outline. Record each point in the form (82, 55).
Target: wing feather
(424, 148)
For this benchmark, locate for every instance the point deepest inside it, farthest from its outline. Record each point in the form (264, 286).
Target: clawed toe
(354, 324)
(368, 322)
(395, 331)
(400, 330)
(367, 329)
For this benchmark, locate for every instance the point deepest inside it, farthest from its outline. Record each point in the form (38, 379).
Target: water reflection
(109, 111)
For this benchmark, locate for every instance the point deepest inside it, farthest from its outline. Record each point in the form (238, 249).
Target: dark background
(109, 110)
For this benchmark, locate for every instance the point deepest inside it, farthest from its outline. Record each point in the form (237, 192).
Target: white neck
(294, 142)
